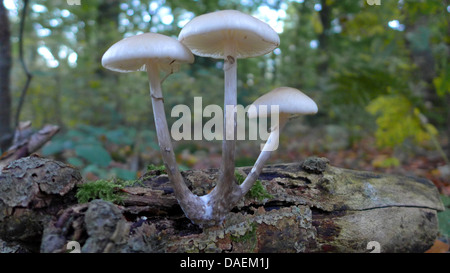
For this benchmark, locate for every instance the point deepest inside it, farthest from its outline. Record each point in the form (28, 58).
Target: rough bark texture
(32, 191)
(313, 207)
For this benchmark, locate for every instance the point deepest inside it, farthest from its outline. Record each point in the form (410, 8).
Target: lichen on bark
(32, 191)
(314, 207)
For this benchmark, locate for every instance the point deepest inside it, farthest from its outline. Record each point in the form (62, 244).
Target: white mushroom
(228, 35)
(290, 102)
(153, 52)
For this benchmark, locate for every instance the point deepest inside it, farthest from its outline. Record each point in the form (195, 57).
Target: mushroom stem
(226, 179)
(182, 192)
(269, 146)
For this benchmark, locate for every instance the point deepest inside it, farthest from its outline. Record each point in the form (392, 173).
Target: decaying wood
(26, 142)
(32, 191)
(314, 207)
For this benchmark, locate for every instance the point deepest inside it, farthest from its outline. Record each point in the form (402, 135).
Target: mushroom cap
(207, 34)
(290, 101)
(132, 53)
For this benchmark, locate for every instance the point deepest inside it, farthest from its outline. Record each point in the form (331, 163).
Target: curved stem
(188, 201)
(270, 145)
(226, 179)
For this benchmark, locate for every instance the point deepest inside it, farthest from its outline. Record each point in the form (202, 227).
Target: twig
(29, 145)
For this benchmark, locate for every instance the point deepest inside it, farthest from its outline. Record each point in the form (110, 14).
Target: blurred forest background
(379, 74)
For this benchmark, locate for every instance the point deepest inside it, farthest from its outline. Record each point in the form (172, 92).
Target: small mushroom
(153, 52)
(228, 35)
(290, 102)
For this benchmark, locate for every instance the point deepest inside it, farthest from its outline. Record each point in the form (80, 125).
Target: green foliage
(93, 149)
(386, 162)
(397, 120)
(124, 174)
(75, 161)
(94, 154)
(345, 59)
(442, 83)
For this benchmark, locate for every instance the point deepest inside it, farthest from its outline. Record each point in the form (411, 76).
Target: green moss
(100, 189)
(239, 177)
(108, 190)
(154, 168)
(258, 191)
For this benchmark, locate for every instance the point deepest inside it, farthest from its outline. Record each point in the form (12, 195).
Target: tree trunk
(107, 23)
(5, 69)
(325, 19)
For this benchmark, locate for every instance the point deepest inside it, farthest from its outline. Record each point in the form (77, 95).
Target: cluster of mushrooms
(227, 35)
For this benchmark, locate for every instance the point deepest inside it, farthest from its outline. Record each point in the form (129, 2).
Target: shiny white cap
(207, 35)
(132, 53)
(290, 101)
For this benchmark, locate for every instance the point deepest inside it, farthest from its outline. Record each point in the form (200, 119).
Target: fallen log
(308, 206)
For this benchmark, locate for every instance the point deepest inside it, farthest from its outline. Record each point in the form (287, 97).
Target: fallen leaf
(438, 247)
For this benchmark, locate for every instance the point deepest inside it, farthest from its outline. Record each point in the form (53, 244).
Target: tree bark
(313, 207)
(5, 70)
(32, 191)
(301, 207)
(325, 19)
(27, 72)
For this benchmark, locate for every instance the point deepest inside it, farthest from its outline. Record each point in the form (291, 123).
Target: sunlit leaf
(397, 120)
